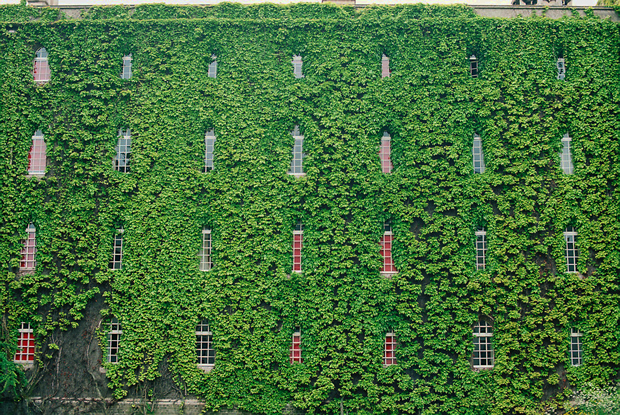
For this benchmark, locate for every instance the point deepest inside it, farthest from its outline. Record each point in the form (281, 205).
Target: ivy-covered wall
(431, 107)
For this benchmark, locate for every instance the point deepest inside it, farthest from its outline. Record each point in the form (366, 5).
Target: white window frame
(297, 167)
(481, 249)
(206, 258)
(212, 71)
(28, 260)
(389, 355)
(296, 340)
(41, 57)
(388, 268)
(209, 150)
(26, 346)
(114, 341)
(478, 155)
(116, 263)
(566, 157)
(37, 157)
(561, 67)
(576, 348)
(483, 346)
(572, 251)
(385, 67)
(473, 66)
(123, 151)
(385, 152)
(297, 66)
(204, 346)
(126, 72)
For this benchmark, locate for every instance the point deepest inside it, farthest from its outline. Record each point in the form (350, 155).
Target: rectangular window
(205, 353)
(298, 236)
(297, 64)
(389, 350)
(576, 352)
(114, 339)
(385, 67)
(483, 357)
(212, 73)
(572, 253)
(117, 251)
(298, 154)
(126, 74)
(566, 161)
(209, 148)
(41, 71)
(384, 153)
(481, 249)
(388, 268)
(37, 159)
(561, 68)
(478, 157)
(295, 351)
(29, 250)
(206, 262)
(25, 345)
(123, 151)
(473, 66)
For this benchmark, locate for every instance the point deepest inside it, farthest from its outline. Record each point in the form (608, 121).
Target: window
(481, 249)
(566, 161)
(205, 353)
(298, 155)
(209, 147)
(206, 262)
(576, 352)
(41, 70)
(25, 345)
(385, 67)
(297, 64)
(123, 150)
(473, 66)
(479, 166)
(384, 153)
(114, 338)
(126, 74)
(36, 157)
(388, 268)
(572, 253)
(295, 352)
(117, 253)
(561, 68)
(389, 350)
(29, 250)
(212, 73)
(298, 235)
(483, 357)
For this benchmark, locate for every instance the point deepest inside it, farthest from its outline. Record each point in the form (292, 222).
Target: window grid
(212, 72)
(298, 155)
(114, 339)
(478, 156)
(576, 350)
(566, 161)
(389, 350)
(41, 71)
(29, 250)
(25, 345)
(209, 148)
(123, 150)
(385, 67)
(295, 351)
(572, 253)
(473, 66)
(561, 65)
(481, 249)
(126, 74)
(386, 251)
(484, 356)
(205, 353)
(385, 152)
(298, 236)
(297, 66)
(37, 155)
(206, 261)
(117, 251)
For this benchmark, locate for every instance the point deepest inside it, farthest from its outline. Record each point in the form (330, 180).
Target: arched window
(297, 66)
(41, 70)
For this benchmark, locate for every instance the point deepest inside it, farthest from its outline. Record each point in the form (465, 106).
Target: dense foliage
(431, 107)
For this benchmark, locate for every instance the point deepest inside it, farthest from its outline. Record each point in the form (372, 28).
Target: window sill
(388, 274)
(25, 366)
(35, 175)
(297, 175)
(481, 368)
(205, 368)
